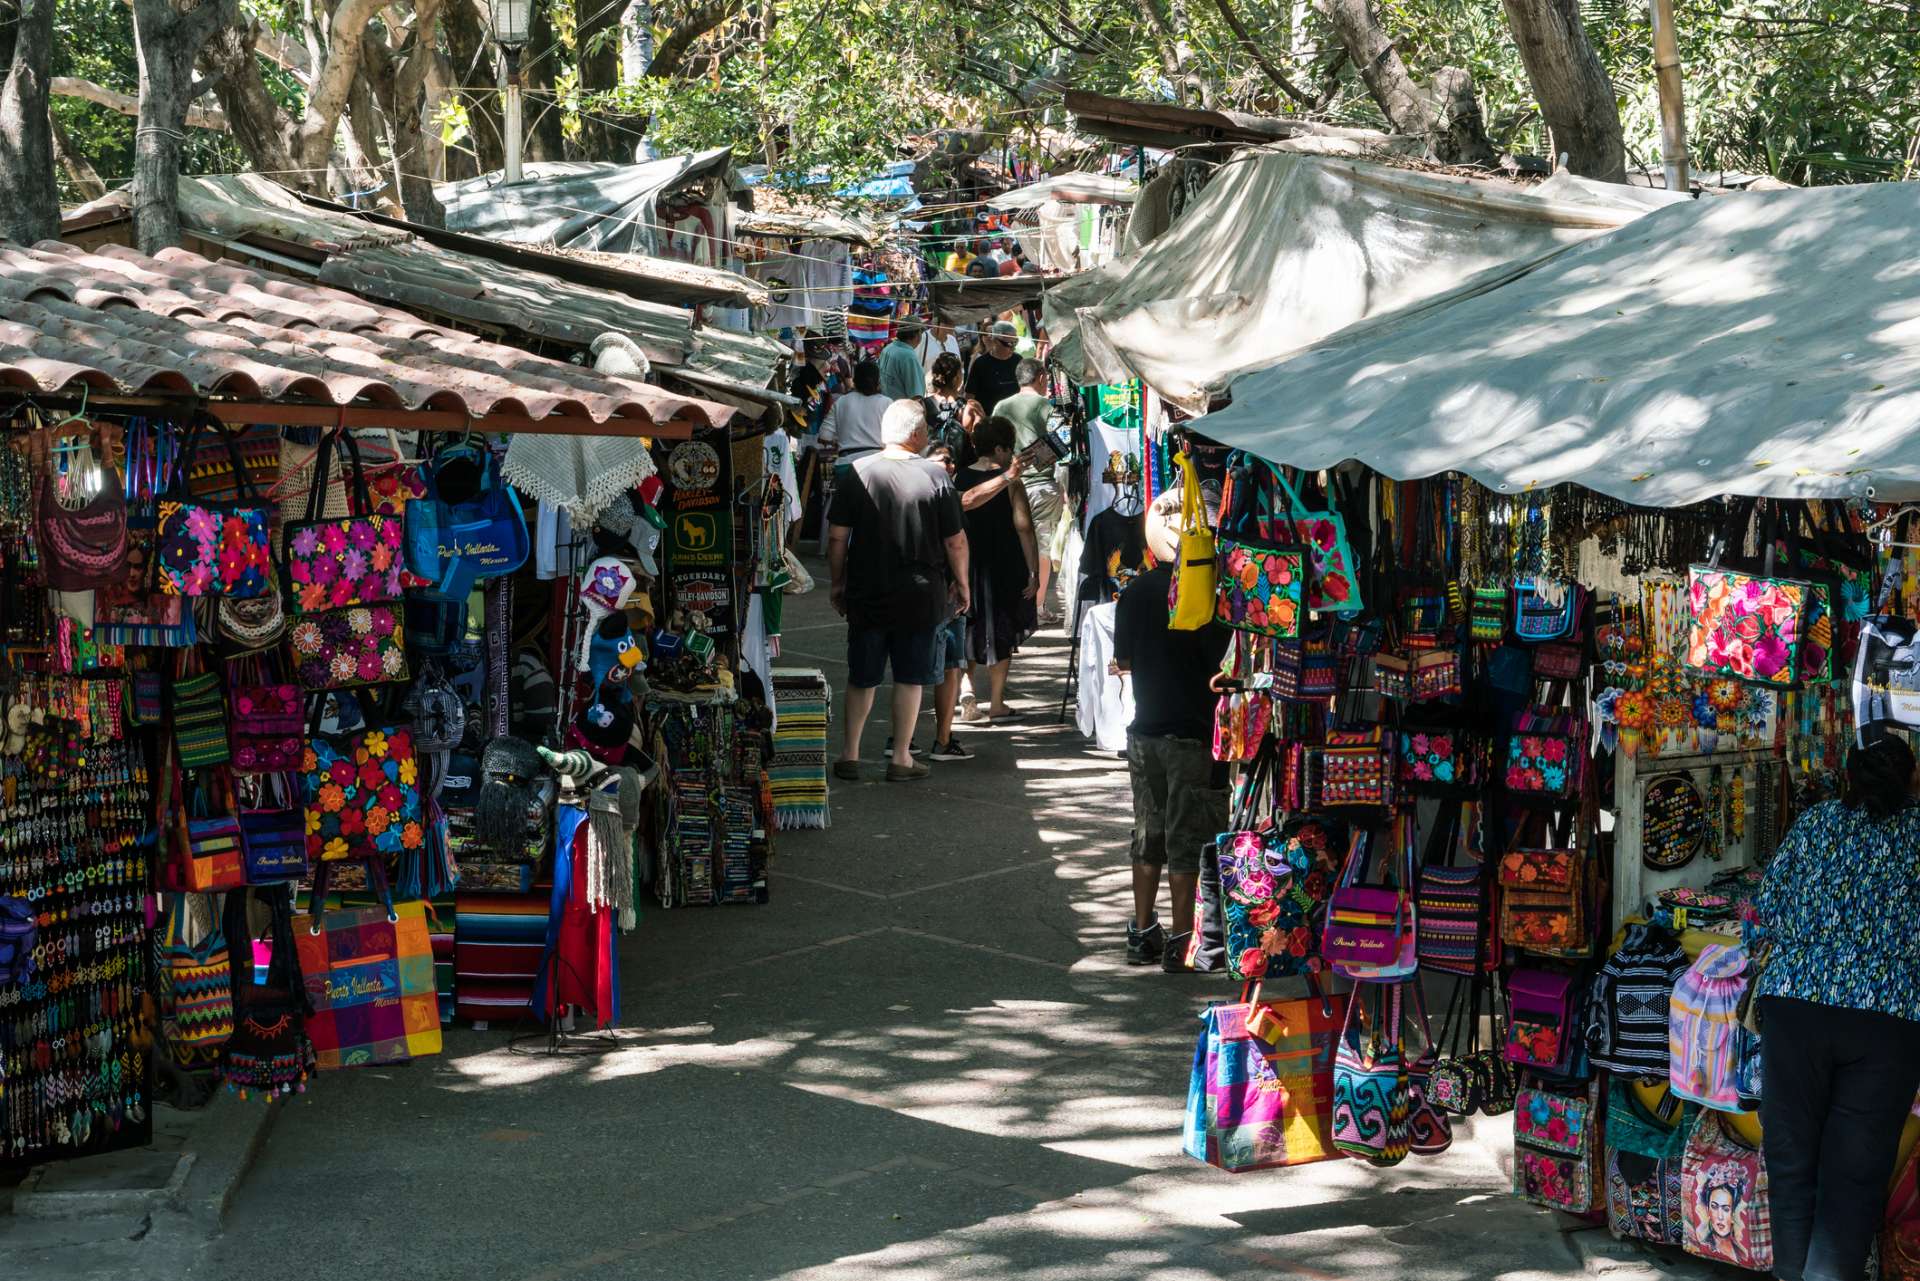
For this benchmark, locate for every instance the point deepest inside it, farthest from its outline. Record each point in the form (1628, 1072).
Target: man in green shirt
(901, 377)
(1029, 410)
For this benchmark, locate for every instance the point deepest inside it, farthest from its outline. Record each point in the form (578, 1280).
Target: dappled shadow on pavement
(923, 1059)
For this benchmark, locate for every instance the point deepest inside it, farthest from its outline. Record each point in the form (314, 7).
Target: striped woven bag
(196, 989)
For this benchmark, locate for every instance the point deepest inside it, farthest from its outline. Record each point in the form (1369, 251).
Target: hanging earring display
(1673, 822)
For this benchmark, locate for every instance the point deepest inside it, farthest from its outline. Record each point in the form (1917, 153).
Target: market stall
(1509, 765)
(318, 610)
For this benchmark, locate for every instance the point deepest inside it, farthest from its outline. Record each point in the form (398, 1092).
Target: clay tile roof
(179, 324)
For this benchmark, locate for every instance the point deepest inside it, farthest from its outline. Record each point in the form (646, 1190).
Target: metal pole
(512, 126)
(1673, 111)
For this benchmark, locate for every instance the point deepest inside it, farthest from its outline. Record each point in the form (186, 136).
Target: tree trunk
(1454, 132)
(399, 83)
(472, 58)
(545, 140)
(80, 172)
(29, 196)
(1575, 96)
(166, 43)
(327, 98)
(254, 116)
(598, 68)
(636, 40)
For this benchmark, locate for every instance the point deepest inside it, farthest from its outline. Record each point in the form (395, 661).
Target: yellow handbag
(1191, 605)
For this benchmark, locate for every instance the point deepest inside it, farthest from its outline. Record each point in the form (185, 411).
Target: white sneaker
(970, 710)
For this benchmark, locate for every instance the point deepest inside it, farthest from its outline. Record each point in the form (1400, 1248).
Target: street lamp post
(511, 22)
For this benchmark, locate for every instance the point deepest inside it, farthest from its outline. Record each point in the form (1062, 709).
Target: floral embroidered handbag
(212, 548)
(363, 796)
(342, 648)
(1371, 1103)
(1556, 1148)
(1546, 755)
(1434, 758)
(1333, 587)
(1261, 582)
(1370, 932)
(341, 561)
(1543, 899)
(269, 720)
(1274, 887)
(1541, 1028)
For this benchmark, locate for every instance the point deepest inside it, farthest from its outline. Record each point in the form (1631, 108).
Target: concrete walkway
(924, 1059)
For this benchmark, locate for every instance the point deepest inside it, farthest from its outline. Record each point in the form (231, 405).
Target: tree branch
(1253, 50)
(328, 97)
(672, 51)
(128, 105)
(80, 172)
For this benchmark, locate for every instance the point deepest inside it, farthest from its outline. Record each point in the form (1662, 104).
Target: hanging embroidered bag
(1556, 1148)
(269, 725)
(1543, 897)
(1429, 1132)
(344, 648)
(212, 548)
(1261, 582)
(274, 838)
(1333, 586)
(1487, 615)
(1546, 755)
(1453, 905)
(363, 796)
(1274, 887)
(1541, 1030)
(1547, 609)
(341, 561)
(199, 721)
(1357, 771)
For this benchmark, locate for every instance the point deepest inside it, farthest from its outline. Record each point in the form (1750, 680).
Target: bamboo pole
(1673, 112)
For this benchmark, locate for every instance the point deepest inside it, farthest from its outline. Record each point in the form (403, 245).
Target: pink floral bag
(343, 561)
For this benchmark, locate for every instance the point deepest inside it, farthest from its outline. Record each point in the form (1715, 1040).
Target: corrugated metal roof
(177, 323)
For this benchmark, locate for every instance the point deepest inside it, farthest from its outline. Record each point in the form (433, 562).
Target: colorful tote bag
(1371, 1102)
(1723, 1186)
(196, 990)
(1370, 932)
(334, 562)
(1333, 586)
(1262, 582)
(368, 975)
(1644, 1153)
(469, 527)
(1556, 1149)
(1261, 1092)
(1453, 904)
(199, 721)
(1547, 609)
(212, 548)
(1190, 601)
(343, 648)
(1429, 1132)
(1748, 627)
(269, 727)
(1546, 755)
(363, 796)
(1274, 887)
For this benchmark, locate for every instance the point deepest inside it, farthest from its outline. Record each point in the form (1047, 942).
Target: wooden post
(1673, 111)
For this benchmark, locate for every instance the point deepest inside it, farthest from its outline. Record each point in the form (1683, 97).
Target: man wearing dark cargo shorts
(1179, 791)
(897, 553)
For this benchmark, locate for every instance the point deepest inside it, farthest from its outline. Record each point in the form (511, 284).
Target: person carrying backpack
(1836, 941)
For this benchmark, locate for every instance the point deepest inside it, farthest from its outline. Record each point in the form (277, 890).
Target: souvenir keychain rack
(75, 1075)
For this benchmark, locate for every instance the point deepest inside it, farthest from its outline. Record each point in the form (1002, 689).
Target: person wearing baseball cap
(994, 375)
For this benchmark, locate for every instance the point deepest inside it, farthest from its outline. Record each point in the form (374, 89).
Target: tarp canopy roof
(1070, 189)
(1767, 344)
(581, 204)
(1282, 249)
(963, 300)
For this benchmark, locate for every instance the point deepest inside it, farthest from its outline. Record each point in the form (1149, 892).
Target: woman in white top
(854, 421)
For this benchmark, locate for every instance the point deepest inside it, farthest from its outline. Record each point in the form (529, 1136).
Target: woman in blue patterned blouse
(1839, 1004)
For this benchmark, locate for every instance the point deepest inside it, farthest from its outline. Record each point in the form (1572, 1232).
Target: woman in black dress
(1003, 557)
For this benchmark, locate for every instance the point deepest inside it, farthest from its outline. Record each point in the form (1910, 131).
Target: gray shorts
(1177, 810)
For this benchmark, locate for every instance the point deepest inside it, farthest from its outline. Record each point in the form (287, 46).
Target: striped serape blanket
(798, 770)
(498, 940)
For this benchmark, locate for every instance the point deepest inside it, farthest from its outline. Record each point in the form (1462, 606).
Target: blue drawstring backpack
(469, 527)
